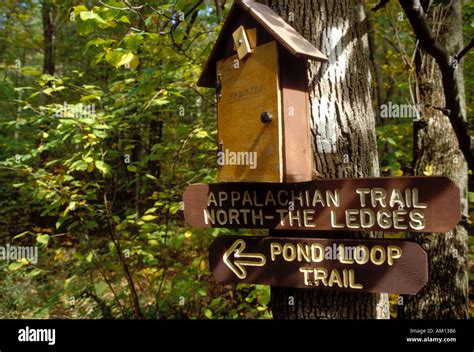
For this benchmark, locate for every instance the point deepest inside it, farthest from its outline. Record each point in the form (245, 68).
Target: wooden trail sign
(415, 204)
(392, 266)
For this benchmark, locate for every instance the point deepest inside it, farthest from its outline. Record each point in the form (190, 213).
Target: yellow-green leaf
(91, 15)
(125, 59)
(202, 134)
(398, 173)
(124, 19)
(132, 168)
(103, 167)
(208, 313)
(428, 170)
(43, 239)
(15, 265)
(149, 217)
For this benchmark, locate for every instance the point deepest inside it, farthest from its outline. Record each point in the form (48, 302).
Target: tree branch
(381, 4)
(128, 8)
(196, 5)
(128, 275)
(416, 16)
(465, 50)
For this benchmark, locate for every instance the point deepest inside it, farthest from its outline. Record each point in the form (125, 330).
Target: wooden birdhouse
(258, 67)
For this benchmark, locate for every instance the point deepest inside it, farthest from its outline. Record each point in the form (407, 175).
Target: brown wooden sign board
(412, 204)
(391, 266)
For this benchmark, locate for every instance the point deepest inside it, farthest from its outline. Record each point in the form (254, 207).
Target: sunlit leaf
(149, 217)
(103, 167)
(43, 239)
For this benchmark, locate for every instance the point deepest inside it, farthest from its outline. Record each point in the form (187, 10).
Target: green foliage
(101, 153)
(468, 60)
(395, 146)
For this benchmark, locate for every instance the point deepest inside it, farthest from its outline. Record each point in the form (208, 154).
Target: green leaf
(60, 222)
(125, 59)
(15, 266)
(153, 243)
(398, 173)
(97, 59)
(100, 134)
(68, 281)
(151, 210)
(202, 134)
(119, 58)
(124, 19)
(133, 41)
(79, 9)
(95, 42)
(103, 167)
(35, 272)
(208, 313)
(132, 168)
(79, 165)
(43, 239)
(85, 27)
(471, 197)
(149, 217)
(91, 15)
(113, 56)
(159, 102)
(90, 97)
(48, 91)
(21, 234)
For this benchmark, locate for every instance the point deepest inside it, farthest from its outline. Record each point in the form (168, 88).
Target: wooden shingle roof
(281, 31)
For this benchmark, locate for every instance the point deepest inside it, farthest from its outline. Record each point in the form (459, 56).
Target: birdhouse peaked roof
(276, 26)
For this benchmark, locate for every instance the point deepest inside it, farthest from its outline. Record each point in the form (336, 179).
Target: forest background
(102, 127)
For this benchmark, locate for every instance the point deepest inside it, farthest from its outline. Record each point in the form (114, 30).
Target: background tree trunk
(436, 147)
(47, 13)
(378, 89)
(343, 127)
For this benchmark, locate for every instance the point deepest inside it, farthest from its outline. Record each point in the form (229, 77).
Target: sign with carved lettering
(369, 265)
(412, 204)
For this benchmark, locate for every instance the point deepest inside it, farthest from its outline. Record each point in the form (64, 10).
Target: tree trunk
(343, 127)
(47, 12)
(379, 91)
(435, 146)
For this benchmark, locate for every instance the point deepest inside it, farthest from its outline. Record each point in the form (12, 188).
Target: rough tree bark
(343, 127)
(436, 146)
